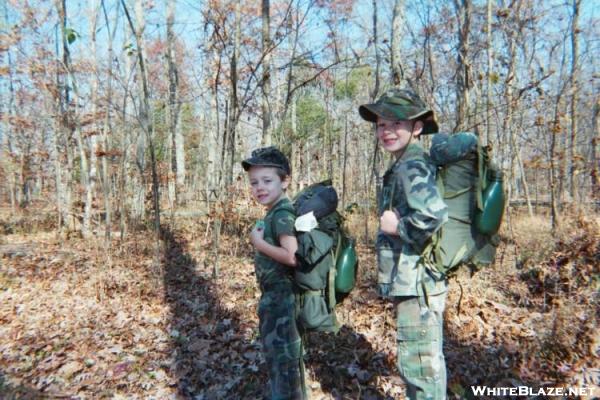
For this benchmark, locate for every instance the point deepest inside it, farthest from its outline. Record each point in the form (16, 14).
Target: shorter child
(275, 243)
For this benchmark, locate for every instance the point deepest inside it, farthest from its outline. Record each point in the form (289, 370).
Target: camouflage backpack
(327, 261)
(471, 186)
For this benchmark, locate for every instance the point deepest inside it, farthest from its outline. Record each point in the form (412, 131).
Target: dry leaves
(83, 321)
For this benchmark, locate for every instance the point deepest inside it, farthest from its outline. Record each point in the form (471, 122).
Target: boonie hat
(400, 105)
(267, 157)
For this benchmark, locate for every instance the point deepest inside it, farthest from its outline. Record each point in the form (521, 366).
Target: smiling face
(266, 185)
(394, 136)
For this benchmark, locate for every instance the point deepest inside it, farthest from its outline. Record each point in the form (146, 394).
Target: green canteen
(488, 220)
(345, 277)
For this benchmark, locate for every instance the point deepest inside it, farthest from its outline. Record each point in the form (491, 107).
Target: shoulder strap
(482, 167)
(331, 283)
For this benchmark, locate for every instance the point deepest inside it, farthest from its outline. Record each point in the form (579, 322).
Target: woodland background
(124, 213)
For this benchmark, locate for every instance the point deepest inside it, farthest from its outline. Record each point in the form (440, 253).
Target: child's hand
(388, 222)
(257, 235)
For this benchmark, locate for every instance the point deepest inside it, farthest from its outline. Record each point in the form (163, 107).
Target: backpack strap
(480, 184)
(331, 282)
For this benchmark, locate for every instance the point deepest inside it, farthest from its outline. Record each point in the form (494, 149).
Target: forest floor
(137, 320)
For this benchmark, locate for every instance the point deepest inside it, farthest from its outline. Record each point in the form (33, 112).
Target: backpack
(471, 186)
(327, 261)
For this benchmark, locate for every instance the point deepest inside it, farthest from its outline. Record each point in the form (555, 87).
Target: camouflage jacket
(278, 221)
(409, 189)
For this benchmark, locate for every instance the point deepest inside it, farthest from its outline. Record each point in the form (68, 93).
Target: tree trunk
(234, 112)
(463, 73)
(5, 149)
(292, 47)
(141, 135)
(595, 172)
(574, 100)
(490, 66)
(144, 117)
(345, 156)
(373, 95)
(507, 126)
(94, 8)
(73, 119)
(554, 216)
(396, 37)
(295, 150)
(266, 65)
(177, 146)
(464, 68)
(55, 157)
(104, 141)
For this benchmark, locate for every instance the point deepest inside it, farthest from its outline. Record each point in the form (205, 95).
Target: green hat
(267, 157)
(399, 105)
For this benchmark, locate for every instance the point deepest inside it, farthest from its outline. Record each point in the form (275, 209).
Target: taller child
(269, 173)
(411, 210)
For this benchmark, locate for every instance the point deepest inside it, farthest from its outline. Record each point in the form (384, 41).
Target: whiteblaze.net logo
(527, 391)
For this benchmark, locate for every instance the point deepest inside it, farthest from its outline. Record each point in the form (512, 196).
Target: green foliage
(161, 131)
(311, 117)
(190, 128)
(348, 89)
(351, 208)
(129, 49)
(71, 35)
(494, 78)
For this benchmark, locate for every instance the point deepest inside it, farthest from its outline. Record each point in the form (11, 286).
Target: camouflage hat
(398, 105)
(267, 157)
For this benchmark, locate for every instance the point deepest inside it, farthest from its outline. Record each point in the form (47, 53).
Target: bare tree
(107, 126)
(144, 109)
(595, 173)
(463, 73)
(574, 100)
(266, 67)
(72, 117)
(490, 67)
(396, 35)
(91, 190)
(234, 111)
(177, 158)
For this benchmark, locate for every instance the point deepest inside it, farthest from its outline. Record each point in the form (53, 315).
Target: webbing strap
(392, 194)
(431, 257)
(451, 195)
(464, 221)
(459, 255)
(308, 292)
(422, 297)
(331, 282)
(481, 172)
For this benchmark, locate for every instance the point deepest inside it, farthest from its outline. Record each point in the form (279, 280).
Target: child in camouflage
(411, 211)
(275, 243)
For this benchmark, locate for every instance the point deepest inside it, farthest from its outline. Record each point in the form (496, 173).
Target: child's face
(266, 186)
(394, 136)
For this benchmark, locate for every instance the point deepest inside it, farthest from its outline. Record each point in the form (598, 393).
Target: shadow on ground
(21, 392)
(217, 353)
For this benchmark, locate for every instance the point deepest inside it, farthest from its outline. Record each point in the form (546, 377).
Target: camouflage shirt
(409, 189)
(278, 221)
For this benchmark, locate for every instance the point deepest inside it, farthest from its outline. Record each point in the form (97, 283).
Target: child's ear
(417, 128)
(285, 182)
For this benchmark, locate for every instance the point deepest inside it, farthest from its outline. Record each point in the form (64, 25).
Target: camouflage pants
(420, 357)
(282, 345)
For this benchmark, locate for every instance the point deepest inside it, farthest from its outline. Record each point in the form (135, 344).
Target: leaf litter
(84, 322)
